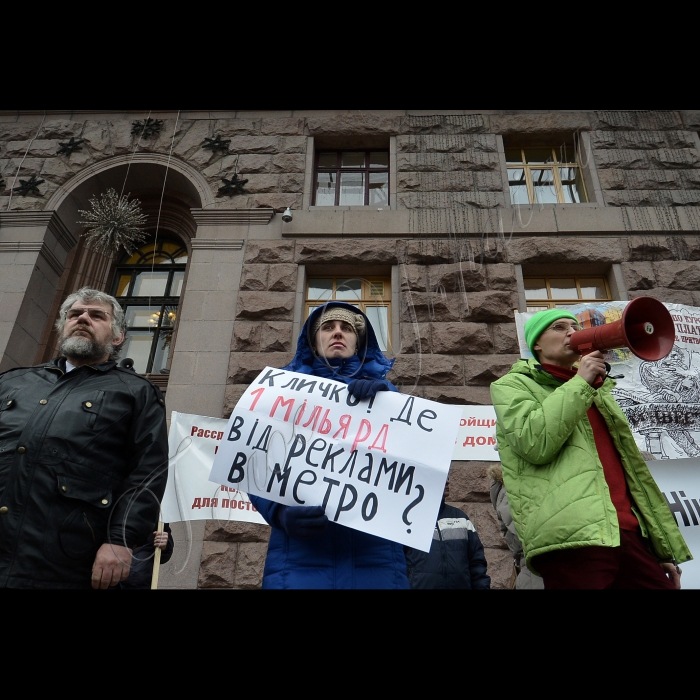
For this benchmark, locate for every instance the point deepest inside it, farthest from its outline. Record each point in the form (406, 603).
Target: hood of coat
(495, 472)
(532, 368)
(369, 361)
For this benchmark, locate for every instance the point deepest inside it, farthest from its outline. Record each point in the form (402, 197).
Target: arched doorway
(167, 194)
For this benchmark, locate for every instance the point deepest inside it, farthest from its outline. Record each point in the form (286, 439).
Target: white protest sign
(476, 437)
(660, 399)
(679, 481)
(378, 465)
(189, 495)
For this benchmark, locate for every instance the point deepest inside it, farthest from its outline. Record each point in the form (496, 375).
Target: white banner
(476, 439)
(679, 481)
(660, 399)
(189, 495)
(378, 466)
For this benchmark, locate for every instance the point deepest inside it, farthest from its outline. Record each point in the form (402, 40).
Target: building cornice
(233, 217)
(216, 244)
(49, 219)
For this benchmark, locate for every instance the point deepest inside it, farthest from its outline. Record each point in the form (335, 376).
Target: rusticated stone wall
(647, 159)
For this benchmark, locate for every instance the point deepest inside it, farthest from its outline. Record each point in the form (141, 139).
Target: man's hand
(673, 572)
(112, 565)
(160, 540)
(592, 366)
(304, 522)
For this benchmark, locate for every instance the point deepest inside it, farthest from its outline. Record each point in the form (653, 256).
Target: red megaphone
(646, 328)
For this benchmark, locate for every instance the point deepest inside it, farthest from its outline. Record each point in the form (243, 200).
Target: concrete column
(34, 247)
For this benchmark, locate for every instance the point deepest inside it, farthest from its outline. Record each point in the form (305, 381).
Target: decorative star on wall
(231, 186)
(217, 144)
(147, 127)
(28, 186)
(69, 147)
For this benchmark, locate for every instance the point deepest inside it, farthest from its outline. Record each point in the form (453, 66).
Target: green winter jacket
(559, 498)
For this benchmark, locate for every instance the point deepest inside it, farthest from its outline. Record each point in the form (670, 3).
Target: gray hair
(86, 294)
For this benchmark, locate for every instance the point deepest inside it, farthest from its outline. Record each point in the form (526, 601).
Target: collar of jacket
(532, 368)
(60, 363)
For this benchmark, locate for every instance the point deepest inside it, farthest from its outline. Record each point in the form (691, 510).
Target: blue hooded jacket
(340, 557)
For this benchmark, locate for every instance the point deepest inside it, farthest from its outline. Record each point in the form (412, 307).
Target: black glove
(303, 522)
(367, 388)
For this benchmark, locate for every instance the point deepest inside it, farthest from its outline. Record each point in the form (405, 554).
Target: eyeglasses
(565, 327)
(95, 314)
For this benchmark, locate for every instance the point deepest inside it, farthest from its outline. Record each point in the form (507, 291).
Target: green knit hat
(536, 325)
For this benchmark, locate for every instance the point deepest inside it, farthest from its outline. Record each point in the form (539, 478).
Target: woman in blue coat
(306, 550)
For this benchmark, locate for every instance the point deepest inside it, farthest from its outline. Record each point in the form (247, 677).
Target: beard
(82, 348)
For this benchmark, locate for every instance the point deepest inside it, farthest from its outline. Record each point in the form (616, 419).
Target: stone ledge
(236, 217)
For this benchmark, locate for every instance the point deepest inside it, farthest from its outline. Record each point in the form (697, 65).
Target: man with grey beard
(83, 456)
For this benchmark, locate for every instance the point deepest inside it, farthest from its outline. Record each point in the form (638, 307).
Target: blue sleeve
(268, 509)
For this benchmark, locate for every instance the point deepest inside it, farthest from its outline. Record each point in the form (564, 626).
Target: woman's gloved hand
(367, 388)
(302, 522)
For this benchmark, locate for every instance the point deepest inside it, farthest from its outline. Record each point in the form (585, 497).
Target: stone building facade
(457, 252)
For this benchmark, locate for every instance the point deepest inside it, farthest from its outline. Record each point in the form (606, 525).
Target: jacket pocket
(80, 517)
(7, 403)
(92, 407)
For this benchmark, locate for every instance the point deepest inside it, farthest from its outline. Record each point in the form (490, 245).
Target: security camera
(287, 216)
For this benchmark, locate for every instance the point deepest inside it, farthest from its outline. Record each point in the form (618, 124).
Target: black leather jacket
(83, 461)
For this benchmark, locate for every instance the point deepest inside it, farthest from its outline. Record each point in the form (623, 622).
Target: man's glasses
(565, 327)
(95, 314)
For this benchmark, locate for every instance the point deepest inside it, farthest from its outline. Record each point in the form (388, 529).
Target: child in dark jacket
(456, 558)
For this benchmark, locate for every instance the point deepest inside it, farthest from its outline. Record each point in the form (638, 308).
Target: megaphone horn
(646, 328)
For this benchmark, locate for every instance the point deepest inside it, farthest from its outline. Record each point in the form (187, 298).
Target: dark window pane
(328, 160)
(160, 359)
(137, 346)
(538, 155)
(572, 185)
(519, 195)
(169, 316)
(379, 318)
(349, 290)
(593, 289)
(378, 188)
(325, 189)
(150, 284)
(513, 155)
(352, 189)
(353, 159)
(320, 289)
(563, 289)
(176, 285)
(535, 288)
(543, 183)
(566, 154)
(123, 285)
(378, 159)
(143, 316)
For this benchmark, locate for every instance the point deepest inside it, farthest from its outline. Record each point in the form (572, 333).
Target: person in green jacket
(586, 508)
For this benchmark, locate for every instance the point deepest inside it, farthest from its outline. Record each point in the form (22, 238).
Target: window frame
(366, 299)
(338, 169)
(541, 304)
(554, 167)
(164, 301)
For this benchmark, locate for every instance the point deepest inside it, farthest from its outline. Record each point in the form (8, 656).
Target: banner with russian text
(189, 495)
(476, 439)
(378, 465)
(660, 399)
(679, 481)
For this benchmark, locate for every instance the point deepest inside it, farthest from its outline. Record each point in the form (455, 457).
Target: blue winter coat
(341, 557)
